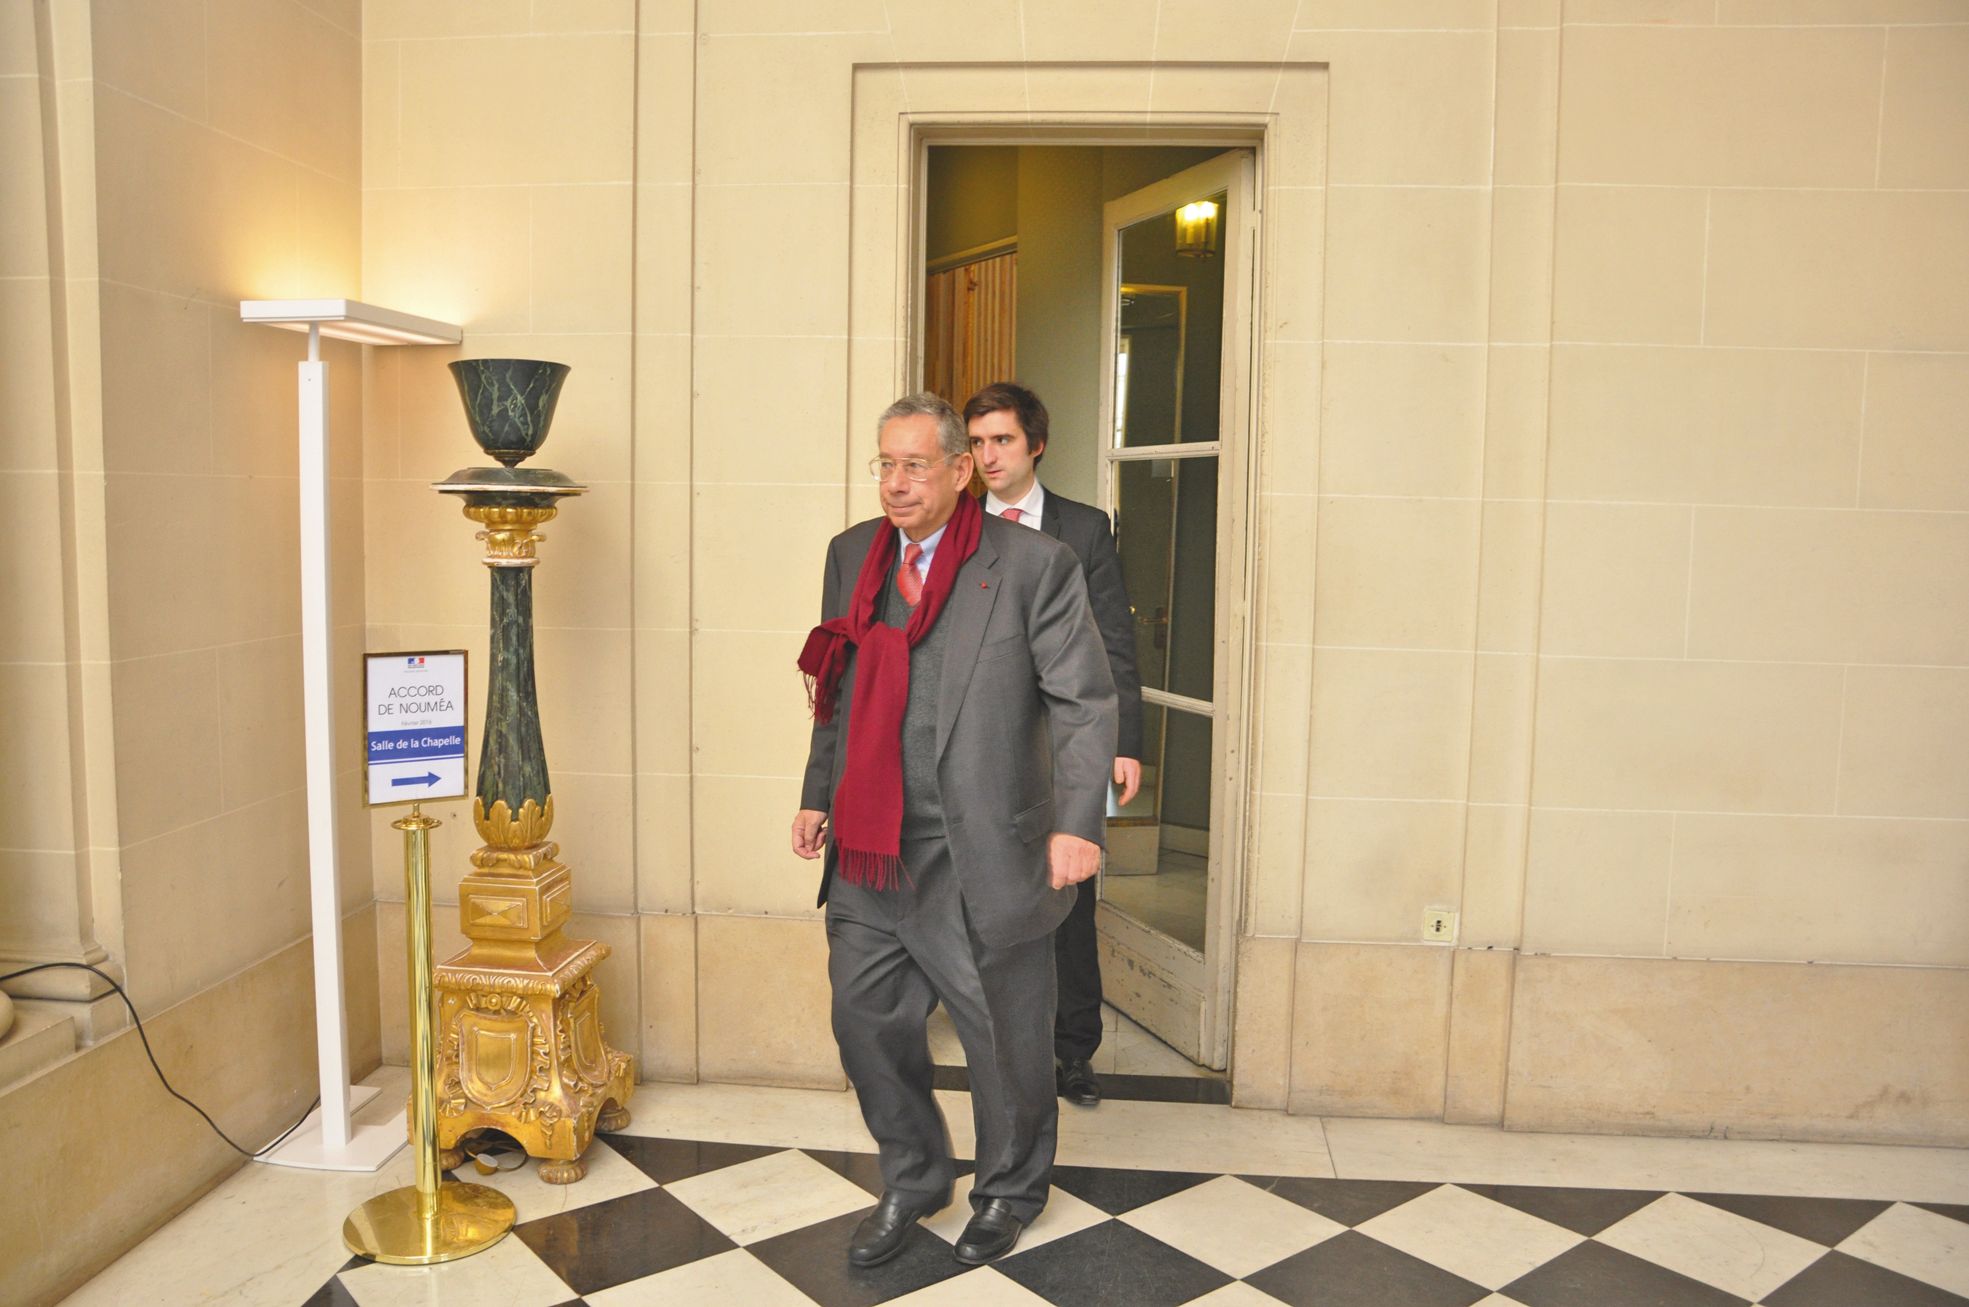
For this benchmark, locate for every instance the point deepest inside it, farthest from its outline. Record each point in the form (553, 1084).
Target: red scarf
(867, 817)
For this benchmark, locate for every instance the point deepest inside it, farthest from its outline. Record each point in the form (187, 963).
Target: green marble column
(512, 761)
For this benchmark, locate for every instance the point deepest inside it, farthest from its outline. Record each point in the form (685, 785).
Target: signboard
(416, 726)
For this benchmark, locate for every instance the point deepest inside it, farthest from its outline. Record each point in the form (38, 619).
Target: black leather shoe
(1078, 1083)
(990, 1234)
(883, 1231)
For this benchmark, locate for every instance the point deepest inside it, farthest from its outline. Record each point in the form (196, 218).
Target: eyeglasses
(915, 469)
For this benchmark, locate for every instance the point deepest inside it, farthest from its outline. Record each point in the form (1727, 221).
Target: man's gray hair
(952, 438)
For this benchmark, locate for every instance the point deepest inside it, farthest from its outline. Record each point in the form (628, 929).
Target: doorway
(1115, 281)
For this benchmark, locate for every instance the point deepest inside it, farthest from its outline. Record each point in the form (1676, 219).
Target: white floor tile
(769, 1195)
(983, 1287)
(750, 1114)
(733, 1277)
(1731, 1252)
(265, 1234)
(507, 1274)
(1139, 1053)
(1923, 1245)
(1064, 1215)
(1235, 1294)
(1235, 1227)
(1470, 1236)
(1430, 1150)
(946, 1049)
(1193, 1137)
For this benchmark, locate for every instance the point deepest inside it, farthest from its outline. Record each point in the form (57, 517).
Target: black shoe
(990, 1234)
(1077, 1082)
(883, 1231)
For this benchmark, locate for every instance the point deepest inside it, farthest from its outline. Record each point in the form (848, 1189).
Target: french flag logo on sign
(415, 661)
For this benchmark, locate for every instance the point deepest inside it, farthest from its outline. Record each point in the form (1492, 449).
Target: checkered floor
(679, 1222)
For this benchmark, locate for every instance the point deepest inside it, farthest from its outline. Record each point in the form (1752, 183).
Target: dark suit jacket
(1025, 722)
(1087, 531)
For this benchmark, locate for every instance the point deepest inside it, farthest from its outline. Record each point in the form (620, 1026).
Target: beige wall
(171, 158)
(1608, 551)
(500, 190)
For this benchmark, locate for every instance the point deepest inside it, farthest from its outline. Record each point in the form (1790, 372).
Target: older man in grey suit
(964, 724)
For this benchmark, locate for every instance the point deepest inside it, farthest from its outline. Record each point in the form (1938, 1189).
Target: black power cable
(110, 981)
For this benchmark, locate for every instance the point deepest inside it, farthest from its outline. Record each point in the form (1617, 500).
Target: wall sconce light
(1196, 230)
(328, 1140)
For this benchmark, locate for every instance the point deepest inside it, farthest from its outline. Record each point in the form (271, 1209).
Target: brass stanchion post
(434, 1220)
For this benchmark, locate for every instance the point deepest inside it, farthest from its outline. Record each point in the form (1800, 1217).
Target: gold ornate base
(388, 1228)
(520, 1041)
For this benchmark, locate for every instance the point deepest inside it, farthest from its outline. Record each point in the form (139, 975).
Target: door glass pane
(1170, 326)
(1165, 525)
(1159, 848)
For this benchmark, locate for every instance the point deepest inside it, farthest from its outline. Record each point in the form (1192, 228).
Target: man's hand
(1071, 859)
(809, 833)
(1128, 775)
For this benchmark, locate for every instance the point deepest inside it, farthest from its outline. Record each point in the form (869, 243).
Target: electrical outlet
(1439, 925)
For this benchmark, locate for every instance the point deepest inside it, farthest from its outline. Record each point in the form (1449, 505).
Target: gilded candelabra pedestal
(520, 1046)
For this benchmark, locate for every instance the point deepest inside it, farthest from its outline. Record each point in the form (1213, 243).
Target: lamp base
(470, 1218)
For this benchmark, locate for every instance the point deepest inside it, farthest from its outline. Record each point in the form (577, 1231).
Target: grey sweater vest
(922, 797)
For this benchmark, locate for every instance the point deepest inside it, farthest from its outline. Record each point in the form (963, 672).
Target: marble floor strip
(722, 1194)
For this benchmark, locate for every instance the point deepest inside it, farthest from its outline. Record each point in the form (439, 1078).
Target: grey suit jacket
(1087, 531)
(1025, 722)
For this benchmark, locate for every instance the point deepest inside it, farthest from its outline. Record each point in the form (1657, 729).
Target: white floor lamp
(327, 1140)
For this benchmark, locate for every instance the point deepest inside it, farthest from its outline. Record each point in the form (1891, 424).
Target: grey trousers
(892, 956)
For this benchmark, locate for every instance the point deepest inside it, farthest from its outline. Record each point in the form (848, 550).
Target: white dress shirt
(1029, 508)
(929, 543)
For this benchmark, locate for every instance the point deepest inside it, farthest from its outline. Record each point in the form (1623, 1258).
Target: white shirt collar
(1029, 508)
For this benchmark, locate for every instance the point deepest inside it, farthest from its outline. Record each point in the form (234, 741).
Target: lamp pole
(330, 1139)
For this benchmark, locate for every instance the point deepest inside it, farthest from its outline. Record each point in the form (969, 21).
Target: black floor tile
(1116, 1191)
(333, 1294)
(1837, 1280)
(1946, 1209)
(606, 1244)
(666, 1160)
(1583, 1211)
(1166, 1089)
(1347, 1201)
(1352, 1270)
(1607, 1277)
(1822, 1220)
(864, 1169)
(1111, 1265)
(815, 1261)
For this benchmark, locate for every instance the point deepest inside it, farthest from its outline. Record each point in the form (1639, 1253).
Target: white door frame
(1232, 796)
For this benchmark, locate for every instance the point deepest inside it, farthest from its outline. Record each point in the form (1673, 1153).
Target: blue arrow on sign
(428, 778)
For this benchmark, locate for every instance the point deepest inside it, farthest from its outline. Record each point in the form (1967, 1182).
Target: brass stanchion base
(470, 1218)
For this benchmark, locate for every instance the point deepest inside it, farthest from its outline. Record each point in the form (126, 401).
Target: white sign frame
(413, 728)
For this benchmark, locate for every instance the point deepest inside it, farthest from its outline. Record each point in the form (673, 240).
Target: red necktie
(909, 580)
(1013, 514)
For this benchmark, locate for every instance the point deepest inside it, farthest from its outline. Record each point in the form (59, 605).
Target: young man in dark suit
(1008, 427)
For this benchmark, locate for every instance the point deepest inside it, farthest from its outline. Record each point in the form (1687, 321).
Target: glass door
(1177, 258)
